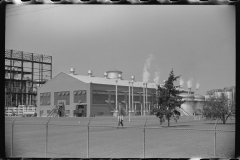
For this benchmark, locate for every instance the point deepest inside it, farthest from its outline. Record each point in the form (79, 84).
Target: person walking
(120, 118)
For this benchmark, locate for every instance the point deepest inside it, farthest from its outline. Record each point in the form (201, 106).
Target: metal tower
(24, 72)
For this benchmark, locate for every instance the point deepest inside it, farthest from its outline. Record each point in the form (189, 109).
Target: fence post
(88, 139)
(215, 139)
(47, 138)
(144, 139)
(12, 138)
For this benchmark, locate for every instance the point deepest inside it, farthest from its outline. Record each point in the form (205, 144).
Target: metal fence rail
(53, 138)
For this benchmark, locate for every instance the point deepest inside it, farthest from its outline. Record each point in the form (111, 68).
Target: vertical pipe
(11, 78)
(143, 100)
(132, 97)
(42, 70)
(31, 95)
(88, 138)
(21, 87)
(47, 138)
(129, 103)
(146, 101)
(144, 139)
(12, 137)
(116, 96)
(51, 69)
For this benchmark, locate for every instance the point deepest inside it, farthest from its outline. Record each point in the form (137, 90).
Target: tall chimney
(72, 70)
(105, 75)
(90, 73)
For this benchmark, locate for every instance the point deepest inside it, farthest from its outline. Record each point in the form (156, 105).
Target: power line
(32, 11)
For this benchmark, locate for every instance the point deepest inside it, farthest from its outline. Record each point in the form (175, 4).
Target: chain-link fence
(141, 137)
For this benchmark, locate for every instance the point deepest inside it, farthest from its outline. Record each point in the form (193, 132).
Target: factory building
(87, 95)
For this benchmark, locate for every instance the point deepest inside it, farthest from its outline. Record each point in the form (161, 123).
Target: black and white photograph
(120, 81)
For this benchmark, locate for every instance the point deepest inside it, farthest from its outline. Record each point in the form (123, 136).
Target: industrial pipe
(146, 101)
(129, 99)
(143, 106)
(116, 96)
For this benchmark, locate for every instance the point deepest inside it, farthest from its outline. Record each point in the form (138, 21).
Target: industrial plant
(30, 88)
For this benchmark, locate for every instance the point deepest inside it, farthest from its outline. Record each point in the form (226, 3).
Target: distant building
(229, 91)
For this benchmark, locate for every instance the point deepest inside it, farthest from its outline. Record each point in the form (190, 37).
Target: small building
(86, 95)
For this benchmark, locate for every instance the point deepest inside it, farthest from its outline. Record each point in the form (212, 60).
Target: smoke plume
(197, 86)
(189, 83)
(181, 81)
(157, 74)
(146, 74)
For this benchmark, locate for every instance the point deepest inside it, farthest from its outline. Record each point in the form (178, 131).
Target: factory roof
(101, 80)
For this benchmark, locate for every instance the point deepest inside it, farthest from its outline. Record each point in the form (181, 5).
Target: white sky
(196, 41)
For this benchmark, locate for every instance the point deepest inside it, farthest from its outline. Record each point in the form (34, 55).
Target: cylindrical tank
(206, 97)
(199, 97)
(187, 97)
(188, 105)
(229, 95)
(113, 74)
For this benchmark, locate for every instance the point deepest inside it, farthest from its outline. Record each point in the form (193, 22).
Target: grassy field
(67, 137)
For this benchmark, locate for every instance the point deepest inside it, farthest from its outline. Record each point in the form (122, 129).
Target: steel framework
(24, 72)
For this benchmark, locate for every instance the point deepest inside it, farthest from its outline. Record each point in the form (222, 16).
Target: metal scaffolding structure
(24, 72)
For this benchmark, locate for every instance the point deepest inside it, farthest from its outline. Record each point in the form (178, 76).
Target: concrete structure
(86, 95)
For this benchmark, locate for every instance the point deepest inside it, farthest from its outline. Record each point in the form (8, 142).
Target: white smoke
(181, 81)
(189, 83)
(198, 85)
(157, 75)
(146, 74)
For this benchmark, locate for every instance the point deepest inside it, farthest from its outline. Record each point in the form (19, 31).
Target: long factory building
(87, 95)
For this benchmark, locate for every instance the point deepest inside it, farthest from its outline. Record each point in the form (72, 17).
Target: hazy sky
(198, 42)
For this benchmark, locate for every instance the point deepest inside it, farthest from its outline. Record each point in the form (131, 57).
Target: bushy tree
(168, 100)
(218, 108)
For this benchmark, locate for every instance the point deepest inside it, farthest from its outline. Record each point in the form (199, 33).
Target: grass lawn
(67, 137)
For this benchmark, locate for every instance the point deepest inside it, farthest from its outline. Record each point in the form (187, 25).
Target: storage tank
(199, 101)
(188, 105)
(114, 74)
(199, 97)
(229, 95)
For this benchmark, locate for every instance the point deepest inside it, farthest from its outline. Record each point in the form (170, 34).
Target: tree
(168, 100)
(218, 108)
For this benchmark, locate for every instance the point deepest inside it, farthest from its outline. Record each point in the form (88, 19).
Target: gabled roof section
(101, 80)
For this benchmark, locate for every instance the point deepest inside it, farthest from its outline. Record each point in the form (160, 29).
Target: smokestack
(90, 73)
(72, 70)
(105, 75)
